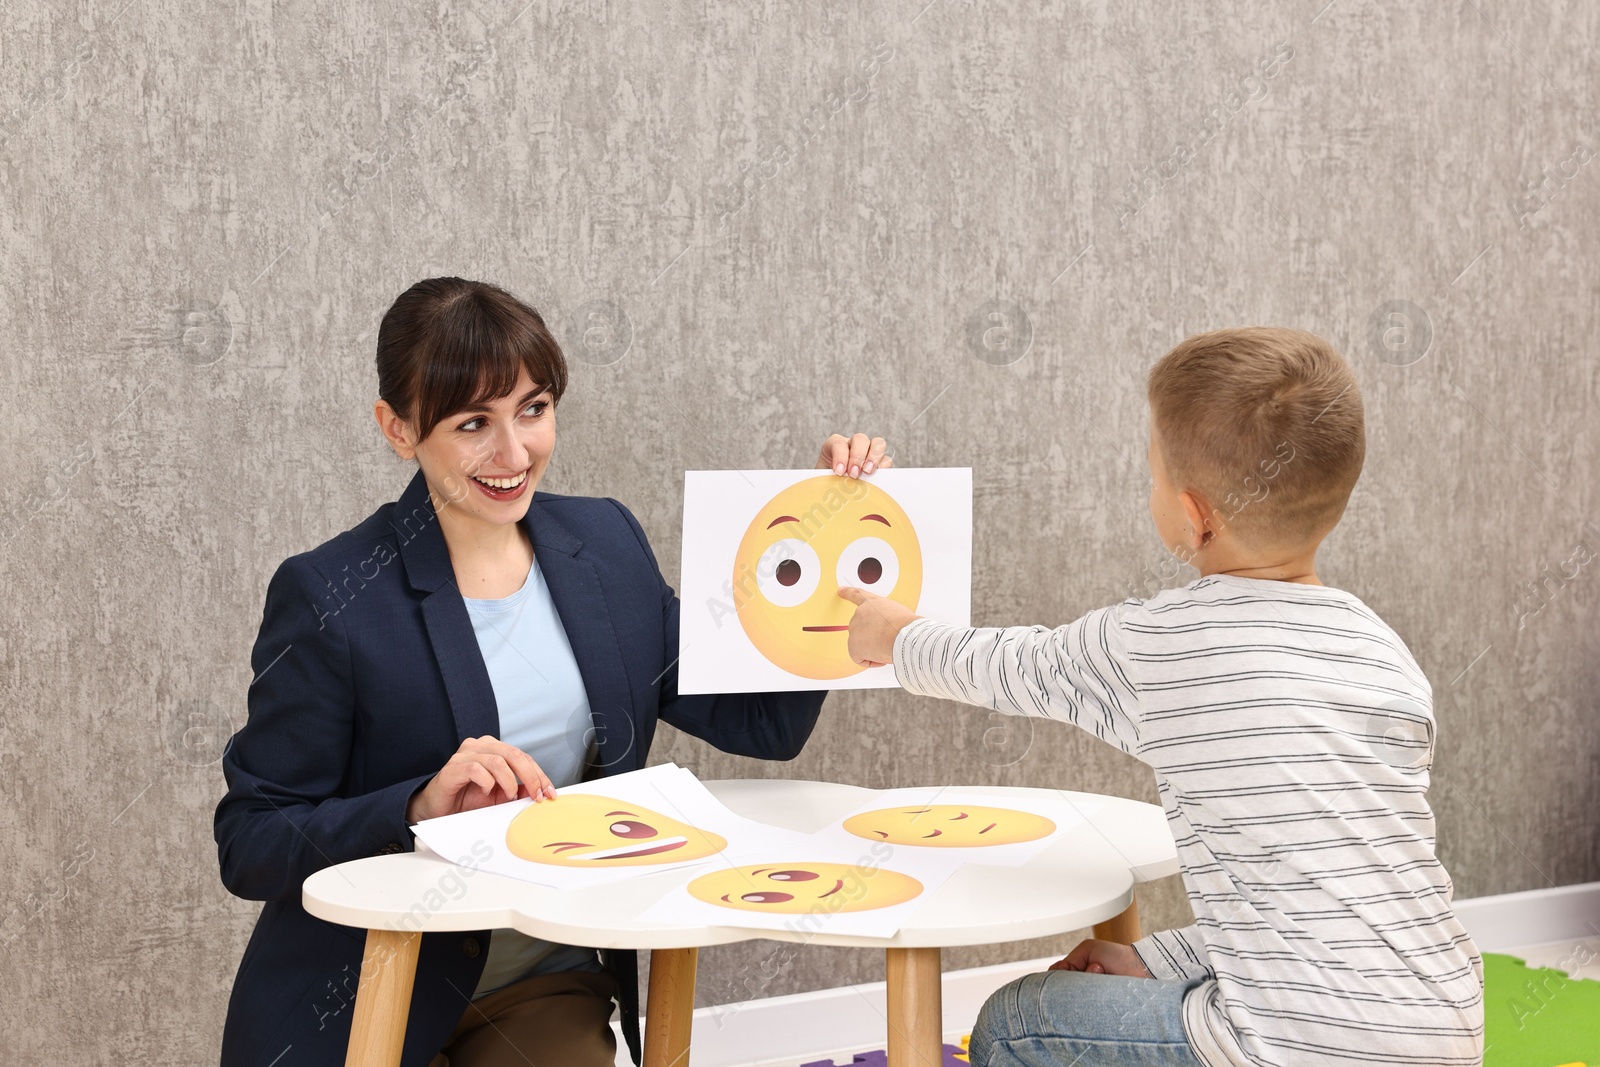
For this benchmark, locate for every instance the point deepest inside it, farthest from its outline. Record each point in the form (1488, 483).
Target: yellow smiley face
(949, 826)
(579, 830)
(803, 545)
(800, 888)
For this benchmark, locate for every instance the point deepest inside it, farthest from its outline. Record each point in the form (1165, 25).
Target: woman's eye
(788, 573)
(870, 564)
(537, 407)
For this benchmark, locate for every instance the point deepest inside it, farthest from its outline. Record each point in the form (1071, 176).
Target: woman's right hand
(483, 771)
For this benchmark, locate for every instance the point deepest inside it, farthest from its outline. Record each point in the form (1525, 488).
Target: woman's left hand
(854, 456)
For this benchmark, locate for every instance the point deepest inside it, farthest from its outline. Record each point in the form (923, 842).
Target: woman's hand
(1103, 957)
(483, 771)
(874, 626)
(854, 456)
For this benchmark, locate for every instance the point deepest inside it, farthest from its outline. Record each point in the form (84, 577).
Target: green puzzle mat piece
(1537, 1016)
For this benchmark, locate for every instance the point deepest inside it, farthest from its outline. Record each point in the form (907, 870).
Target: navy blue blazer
(367, 678)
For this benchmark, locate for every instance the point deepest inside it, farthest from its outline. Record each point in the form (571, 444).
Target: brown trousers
(549, 1020)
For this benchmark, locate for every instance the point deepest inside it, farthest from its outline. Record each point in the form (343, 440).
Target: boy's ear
(1199, 514)
(394, 429)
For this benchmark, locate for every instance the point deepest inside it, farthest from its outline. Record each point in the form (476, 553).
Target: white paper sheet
(602, 831)
(765, 553)
(998, 830)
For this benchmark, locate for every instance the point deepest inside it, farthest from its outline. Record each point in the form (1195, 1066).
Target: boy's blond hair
(1266, 424)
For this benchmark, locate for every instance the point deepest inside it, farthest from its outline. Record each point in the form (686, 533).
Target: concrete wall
(754, 224)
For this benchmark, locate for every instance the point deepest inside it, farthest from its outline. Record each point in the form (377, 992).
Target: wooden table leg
(669, 1012)
(383, 999)
(1123, 929)
(916, 1007)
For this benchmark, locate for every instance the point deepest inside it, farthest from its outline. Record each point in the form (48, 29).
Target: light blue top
(544, 711)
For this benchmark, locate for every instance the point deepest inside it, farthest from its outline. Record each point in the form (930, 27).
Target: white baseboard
(1534, 917)
(847, 1019)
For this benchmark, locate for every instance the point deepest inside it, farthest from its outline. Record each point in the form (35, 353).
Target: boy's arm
(1078, 672)
(1174, 954)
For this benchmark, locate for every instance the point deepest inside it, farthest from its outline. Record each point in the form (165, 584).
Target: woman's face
(507, 442)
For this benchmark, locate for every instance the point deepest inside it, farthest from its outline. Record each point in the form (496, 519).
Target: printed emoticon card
(838, 887)
(601, 831)
(766, 552)
(963, 823)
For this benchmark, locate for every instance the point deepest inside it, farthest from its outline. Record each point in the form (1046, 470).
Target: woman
(473, 643)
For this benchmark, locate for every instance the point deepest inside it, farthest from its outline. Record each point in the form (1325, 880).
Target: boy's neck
(1299, 567)
(1306, 576)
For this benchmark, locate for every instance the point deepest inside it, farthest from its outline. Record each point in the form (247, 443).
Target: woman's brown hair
(446, 344)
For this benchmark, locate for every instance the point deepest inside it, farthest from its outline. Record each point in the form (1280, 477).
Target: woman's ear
(395, 430)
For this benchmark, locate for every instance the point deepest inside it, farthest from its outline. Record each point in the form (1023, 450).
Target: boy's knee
(1000, 1019)
(985, 1032)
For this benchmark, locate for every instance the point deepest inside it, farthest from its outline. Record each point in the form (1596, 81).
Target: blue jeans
(1076, 1019)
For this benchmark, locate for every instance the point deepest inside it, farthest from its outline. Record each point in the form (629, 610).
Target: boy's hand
(874, 626)
(1103, 957)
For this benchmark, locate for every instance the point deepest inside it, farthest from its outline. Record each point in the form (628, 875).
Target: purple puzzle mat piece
(954, 1056)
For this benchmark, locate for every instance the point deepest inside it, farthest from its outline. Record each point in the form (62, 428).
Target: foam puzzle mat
(954, 1056)
(1538, 1016)
(1533, 1017)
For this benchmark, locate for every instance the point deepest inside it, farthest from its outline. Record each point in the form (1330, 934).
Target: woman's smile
(504, 487)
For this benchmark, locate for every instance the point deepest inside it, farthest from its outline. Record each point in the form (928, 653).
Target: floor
(1506, 1048)
(1541, 1005)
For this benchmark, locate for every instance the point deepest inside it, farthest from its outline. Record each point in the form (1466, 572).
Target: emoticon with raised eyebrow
(806, 543)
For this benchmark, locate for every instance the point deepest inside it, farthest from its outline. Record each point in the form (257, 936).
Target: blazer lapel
(586, 617)
(455, 646)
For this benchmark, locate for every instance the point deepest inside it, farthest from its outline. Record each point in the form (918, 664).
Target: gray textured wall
(754, 224)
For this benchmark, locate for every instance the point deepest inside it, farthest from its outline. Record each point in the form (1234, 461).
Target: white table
(1086, 878)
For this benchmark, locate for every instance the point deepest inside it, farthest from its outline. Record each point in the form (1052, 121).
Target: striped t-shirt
(1291, 734)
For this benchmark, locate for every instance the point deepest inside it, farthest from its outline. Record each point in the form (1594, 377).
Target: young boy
(1291, 733)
